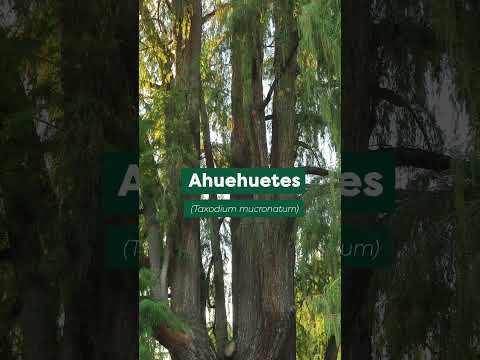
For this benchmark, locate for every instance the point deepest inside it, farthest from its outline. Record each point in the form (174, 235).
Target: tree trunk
(186, 265)
(284, 121)
(221, 333)
(38, 292)
(164, 270)
(332, 351)
(28, 201)
(155, 235)
(356, 118)
(263, 250)
(245, 262)
(279, 252)
(100, 303)
(186, 280)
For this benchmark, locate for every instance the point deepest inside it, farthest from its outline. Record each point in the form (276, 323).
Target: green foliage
(329, 306)
(311, 338)
(153, 314)
(322, 232)
(319, 81)
(433, 230)
(433, 234)
(149, 349)
(320, 26)
(145, 281)
(245, 26)
(318, 270)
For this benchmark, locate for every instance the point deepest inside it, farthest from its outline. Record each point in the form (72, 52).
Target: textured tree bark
(356, 118)
(101, 303)
(28, 202)
(37, 290)
(221, 333)
(280, 252)
(155, 234)
(245, 275)
(164, 270)
(186, 266)
(277, 330)
(263, 251)
(245, 245)
(38, 320)
(186, 282)
(284, 121)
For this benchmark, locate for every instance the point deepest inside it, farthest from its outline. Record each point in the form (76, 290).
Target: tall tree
(234, 131)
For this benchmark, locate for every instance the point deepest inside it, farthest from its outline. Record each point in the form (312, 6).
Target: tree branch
(207, 279)
(419, 158)
(277, 79)
(171, 338)
(212, 13)
(308, 147)
(398, 100)
(313, 170)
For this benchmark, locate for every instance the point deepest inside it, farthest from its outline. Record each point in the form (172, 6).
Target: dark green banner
(243, 181)
(120, 183)
(366, 246)
(368, 182)
(243, 208)
(122, 246)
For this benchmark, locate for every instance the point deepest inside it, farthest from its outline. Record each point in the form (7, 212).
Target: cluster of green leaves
(318, 240)
(317, 273)
(319, 81)
(154, 314)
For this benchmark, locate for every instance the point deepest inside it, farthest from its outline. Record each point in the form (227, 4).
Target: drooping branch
(308, 147)
(300, 116)
(404, 157)
(393, 98)
(268, 98)
(420, 158)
